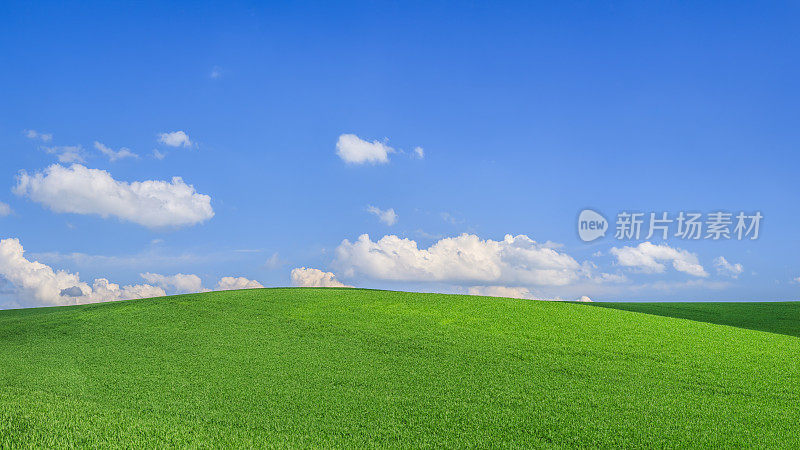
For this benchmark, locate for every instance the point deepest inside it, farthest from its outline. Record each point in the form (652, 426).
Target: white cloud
(516, 260)
(33, 134)
(354, 150)
(175, 139)
(308, 277)
(726, 268)
(230, 283)
(158, 155)
(115, 155)
(39, 285)
(501, 291)
(584, 299)
(4, 209)
(418, 153)
(66, 153)
(179, 283)
(387, 216)
(274, 261)
(646, 256)
(150, 203)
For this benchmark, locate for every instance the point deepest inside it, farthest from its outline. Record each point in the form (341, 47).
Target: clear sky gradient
(527, 113)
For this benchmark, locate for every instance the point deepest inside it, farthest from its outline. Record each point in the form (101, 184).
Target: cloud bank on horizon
(466, 258)
(39, 285)
(516, 266)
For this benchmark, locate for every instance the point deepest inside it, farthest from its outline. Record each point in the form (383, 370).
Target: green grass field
(347, 367)
(774, 317)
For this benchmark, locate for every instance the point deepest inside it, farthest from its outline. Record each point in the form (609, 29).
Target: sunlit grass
(344, 367)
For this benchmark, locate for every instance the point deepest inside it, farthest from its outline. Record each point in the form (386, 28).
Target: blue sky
(527, 113)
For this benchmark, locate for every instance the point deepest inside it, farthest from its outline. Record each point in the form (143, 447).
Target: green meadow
(361, 368)
(773, 317)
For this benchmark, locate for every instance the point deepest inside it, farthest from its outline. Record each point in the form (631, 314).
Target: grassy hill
(773, 317)
(346, 367)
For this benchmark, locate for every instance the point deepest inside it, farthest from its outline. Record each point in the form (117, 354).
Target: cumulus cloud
(584, 299)
(33, 134)
(4, 209)
(180, 283)
(726, 268)
(387, 216)
(66, 153)
(175, 139)
(308, 277)
(418, 153)
(114, 155)
(647, 257)
(354, 150)
(230, 283)
(501, 291)
(39, 285)
(516, 260)
(158, 155)
(153, 204)
(74, 291)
